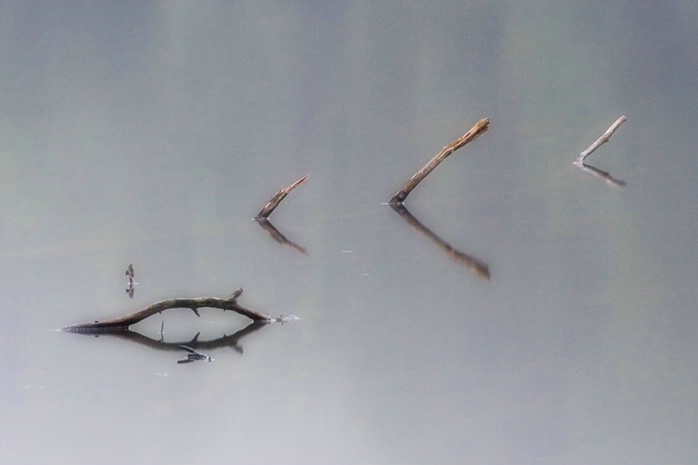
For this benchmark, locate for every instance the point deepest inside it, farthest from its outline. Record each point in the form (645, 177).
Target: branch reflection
(610, 180)
(277, 236)
(475, 265)
(232, 341)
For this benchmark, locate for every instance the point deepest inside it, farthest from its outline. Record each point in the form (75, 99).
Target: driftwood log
(472, 134)
(122, 323)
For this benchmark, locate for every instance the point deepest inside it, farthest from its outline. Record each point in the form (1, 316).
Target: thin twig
(278, 197)
(122, 323)
(600, 141)
(479, 128)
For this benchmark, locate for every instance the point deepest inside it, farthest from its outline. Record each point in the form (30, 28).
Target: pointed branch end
(297, 183)
(234, 296)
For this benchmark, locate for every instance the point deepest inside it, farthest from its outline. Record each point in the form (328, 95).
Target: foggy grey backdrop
(151, 132)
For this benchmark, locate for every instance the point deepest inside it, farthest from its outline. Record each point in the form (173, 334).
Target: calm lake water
(151, 134)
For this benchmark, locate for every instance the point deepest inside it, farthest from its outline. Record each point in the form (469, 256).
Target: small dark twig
(278, 197)
(479, 128)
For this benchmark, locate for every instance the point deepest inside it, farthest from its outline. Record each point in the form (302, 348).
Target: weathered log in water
(122, 323)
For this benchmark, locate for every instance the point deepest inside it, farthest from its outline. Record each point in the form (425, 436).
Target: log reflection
(232, 341)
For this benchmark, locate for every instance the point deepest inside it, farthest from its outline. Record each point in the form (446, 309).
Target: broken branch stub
(278, 197)
(472, 134)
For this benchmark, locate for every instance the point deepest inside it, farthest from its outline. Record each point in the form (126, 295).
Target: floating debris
(131, 283)
(194, 355)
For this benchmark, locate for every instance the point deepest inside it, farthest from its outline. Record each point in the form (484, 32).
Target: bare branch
(600, 141)
(278, 197)
(122, 323)
(479, 128)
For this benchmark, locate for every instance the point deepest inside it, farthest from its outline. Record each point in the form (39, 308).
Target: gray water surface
(151, 133)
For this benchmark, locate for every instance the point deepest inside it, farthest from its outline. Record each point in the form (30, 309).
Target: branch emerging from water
(479, 128)
(278, 197)
(122, 323)
(599, 142)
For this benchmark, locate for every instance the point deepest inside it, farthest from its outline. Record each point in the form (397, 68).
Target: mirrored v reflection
(475, 265)
(605, 137)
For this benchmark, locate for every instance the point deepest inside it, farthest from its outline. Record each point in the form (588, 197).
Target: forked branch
(122, 323)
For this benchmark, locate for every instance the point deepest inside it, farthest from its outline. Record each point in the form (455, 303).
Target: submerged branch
(122, 323)
(479, 128)
(278, 197)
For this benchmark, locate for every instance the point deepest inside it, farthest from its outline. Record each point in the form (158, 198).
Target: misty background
(152, 132)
